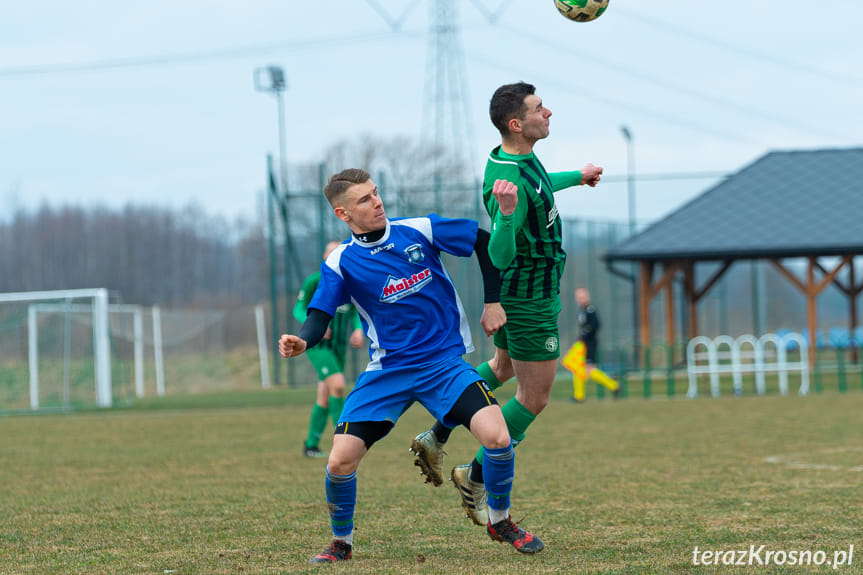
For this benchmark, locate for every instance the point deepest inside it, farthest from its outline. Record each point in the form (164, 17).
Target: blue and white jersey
(404, 295)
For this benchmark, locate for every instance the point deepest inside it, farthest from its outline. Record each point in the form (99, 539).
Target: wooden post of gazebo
(811, 290)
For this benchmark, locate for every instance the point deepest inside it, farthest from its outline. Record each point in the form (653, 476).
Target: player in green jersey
(328, 359)
(526, 247)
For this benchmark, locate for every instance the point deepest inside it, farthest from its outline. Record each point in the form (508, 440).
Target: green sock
(317, 423)
(336, 405)
(487, 374)
(518, 419)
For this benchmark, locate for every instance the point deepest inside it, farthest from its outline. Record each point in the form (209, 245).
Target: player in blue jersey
(391, 271)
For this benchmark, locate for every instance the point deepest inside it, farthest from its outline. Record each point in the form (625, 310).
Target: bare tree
(147, 255)
(414, 176)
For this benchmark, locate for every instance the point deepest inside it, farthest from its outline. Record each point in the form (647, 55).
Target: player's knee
(495, 434)
(504, 374)
(341, 464)
(535, 404)
(499, 439)
(335, 385)
(323, 395)
(501, 366)
(542, 404)
(489, 427)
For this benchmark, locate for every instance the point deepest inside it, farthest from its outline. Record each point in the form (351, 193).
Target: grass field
(216, 484)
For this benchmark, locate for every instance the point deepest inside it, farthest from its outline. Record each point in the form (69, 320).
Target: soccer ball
(581, 10)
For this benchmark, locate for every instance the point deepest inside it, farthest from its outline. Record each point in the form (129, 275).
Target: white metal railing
(746, 354)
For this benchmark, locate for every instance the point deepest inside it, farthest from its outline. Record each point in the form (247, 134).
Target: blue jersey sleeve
(331, 291)
(453, 236)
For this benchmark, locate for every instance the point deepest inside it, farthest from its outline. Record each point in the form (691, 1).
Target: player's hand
(291, 345)
(493, 318)
(590, 175)
(506, 194)
(356, 338)
(329, 333)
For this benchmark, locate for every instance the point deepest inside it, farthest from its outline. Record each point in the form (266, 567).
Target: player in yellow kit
(581, 358)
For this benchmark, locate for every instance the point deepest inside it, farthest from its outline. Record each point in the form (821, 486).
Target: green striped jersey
(343, 323)
(536, 270)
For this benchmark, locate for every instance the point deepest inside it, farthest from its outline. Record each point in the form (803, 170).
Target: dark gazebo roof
(785, 204)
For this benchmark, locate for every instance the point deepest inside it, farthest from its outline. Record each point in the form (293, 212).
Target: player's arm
(300, 308)
(509, 214)
(356, 337)
(303, 298)
(311, 334)
(328, 295)
(493, 315)
(490, 274)
(587, 176)
(354, 319)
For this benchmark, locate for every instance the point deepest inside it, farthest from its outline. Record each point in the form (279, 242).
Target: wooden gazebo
(787, 205)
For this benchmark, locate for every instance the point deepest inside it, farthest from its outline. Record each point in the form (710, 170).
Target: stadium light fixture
(272, 79)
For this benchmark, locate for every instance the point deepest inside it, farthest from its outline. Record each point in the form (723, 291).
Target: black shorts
(590, 352)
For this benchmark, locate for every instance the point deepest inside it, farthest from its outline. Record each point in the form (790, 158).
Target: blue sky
(105, 103)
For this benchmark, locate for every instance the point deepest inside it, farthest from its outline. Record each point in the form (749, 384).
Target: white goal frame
(137, 313)
(101, 344)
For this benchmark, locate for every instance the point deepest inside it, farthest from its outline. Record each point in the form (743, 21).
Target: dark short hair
(507, 103)
(339, 183)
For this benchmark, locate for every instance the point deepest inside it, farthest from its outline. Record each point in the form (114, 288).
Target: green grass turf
(216, 484)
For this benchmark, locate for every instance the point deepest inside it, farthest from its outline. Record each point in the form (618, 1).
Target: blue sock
(341, 499)
(498, 470)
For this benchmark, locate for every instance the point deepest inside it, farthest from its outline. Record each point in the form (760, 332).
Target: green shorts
(325, 361)
(531, 332)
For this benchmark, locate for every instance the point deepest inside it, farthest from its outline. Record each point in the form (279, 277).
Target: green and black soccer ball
(581, 10)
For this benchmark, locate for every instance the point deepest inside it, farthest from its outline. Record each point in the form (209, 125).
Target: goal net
(48, 358)
(69, 349)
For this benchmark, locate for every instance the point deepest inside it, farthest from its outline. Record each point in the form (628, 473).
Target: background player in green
(328, 359)
(527, 247)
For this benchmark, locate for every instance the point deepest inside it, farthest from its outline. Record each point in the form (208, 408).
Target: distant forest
(147, 255)
(188, 259)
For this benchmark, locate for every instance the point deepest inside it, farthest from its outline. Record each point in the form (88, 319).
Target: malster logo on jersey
(397, 288)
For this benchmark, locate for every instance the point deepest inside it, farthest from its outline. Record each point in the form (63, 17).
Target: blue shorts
(384, 395)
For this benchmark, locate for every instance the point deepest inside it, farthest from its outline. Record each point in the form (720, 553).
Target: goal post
(137, 333)
(58, 347)
(101, 344)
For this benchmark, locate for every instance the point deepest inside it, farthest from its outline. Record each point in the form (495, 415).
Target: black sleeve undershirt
(490, 274)
(315, 326)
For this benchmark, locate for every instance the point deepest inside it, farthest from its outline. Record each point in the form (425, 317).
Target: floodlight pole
(272, 79)
(271, 240)
(283, 166)
(630, 196)
(630, 177)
